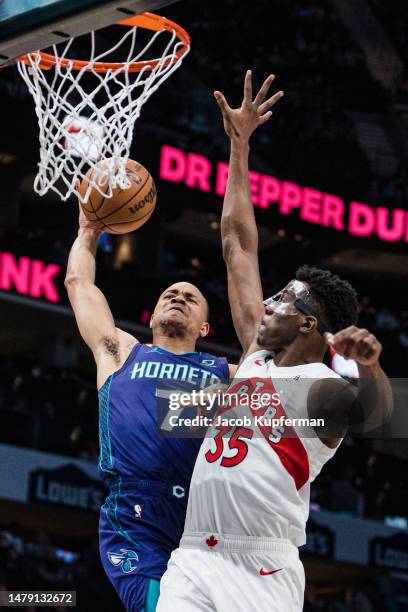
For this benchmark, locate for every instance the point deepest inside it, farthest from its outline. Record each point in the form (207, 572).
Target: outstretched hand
(240, 123)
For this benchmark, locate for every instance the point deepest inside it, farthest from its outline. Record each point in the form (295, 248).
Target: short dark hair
(335, 298)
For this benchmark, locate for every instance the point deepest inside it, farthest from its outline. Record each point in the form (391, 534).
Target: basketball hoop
(98, 116)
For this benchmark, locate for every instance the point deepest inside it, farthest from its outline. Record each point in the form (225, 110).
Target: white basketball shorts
(219, 573)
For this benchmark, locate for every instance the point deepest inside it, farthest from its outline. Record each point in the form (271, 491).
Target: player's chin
(174, 322)
(266, 339)
(177, 317)
(260, 338)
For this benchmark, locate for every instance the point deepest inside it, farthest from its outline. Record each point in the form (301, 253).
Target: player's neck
(295, 355)
(174, 344)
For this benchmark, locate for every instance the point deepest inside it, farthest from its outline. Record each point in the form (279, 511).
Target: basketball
(127, 209)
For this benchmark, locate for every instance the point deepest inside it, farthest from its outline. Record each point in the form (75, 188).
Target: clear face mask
(292, 300)
(285, 302)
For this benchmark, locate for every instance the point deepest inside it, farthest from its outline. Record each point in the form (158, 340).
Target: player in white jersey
(249, 495)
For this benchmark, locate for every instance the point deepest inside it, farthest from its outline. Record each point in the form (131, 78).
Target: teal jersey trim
(111, 505)
(159, 348)
(152, 596)
(105, 450)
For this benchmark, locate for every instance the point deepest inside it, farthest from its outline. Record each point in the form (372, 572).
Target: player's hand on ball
(83, 221)
(355, 343)
(240, 123)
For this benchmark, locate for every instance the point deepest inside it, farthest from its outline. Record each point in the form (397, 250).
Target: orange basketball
(127, 209)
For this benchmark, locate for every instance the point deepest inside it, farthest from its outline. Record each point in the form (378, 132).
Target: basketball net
(80, 127)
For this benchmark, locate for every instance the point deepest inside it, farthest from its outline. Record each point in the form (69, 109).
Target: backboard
(31, 25)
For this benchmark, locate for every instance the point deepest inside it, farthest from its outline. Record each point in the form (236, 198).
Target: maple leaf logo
(211, 541)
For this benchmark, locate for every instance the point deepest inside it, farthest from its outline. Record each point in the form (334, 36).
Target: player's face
(277, 331)
(182, 308)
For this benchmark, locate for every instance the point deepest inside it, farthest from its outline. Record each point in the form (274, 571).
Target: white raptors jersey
(252, 478)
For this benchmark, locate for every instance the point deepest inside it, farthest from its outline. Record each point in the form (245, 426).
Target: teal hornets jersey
(130, 443)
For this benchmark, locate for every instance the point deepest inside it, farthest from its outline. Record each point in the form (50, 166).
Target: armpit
(112, 347)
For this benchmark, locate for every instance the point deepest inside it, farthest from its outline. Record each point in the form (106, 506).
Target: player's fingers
(367, 345)
(77, 186)
(221, 101)
(264, 118)
(370, 346)
(337, 339)
(248, 88)
(270, 102)
(353, 343)
(352, 329)
(260, 96)
(342, 343)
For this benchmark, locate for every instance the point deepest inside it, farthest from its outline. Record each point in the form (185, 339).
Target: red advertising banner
(311, 205)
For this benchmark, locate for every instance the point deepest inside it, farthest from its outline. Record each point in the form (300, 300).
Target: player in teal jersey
(148, 475)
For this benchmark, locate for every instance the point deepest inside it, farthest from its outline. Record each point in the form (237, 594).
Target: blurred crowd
(394, 19)
(32, 560)
(391, 328)
(320, 68)
(363, 483)
(366, 598)
(52, 409)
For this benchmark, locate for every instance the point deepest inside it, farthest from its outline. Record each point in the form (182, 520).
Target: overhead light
(7, 158)
(214, 225)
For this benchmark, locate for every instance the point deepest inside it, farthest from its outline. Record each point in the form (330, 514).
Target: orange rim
(148, 21)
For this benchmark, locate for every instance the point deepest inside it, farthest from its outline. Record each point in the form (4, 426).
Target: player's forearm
(375, 395)
(238, 225)
(81, 262)
(372, 371)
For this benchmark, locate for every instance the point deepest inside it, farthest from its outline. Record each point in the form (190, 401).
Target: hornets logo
(126, 558)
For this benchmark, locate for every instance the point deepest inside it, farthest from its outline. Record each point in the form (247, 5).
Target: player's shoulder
(203, 356)
(255, 356)
(210, 361)
(324, 371)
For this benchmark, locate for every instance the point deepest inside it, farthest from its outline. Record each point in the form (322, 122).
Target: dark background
(341, 128)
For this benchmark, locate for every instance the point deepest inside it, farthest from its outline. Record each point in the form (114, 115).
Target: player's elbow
(236, 233)
(236, 245)
(72, 282)
(229, 244)
(230, 227)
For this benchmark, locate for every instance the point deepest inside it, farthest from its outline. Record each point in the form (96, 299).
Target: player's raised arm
(375, 397)
(109, 345)
(238, 227)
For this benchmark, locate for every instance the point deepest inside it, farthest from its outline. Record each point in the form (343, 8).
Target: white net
(79, 125)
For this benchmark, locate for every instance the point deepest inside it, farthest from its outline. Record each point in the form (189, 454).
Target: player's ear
(205, 328)
(151, 321)
(309, 324)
